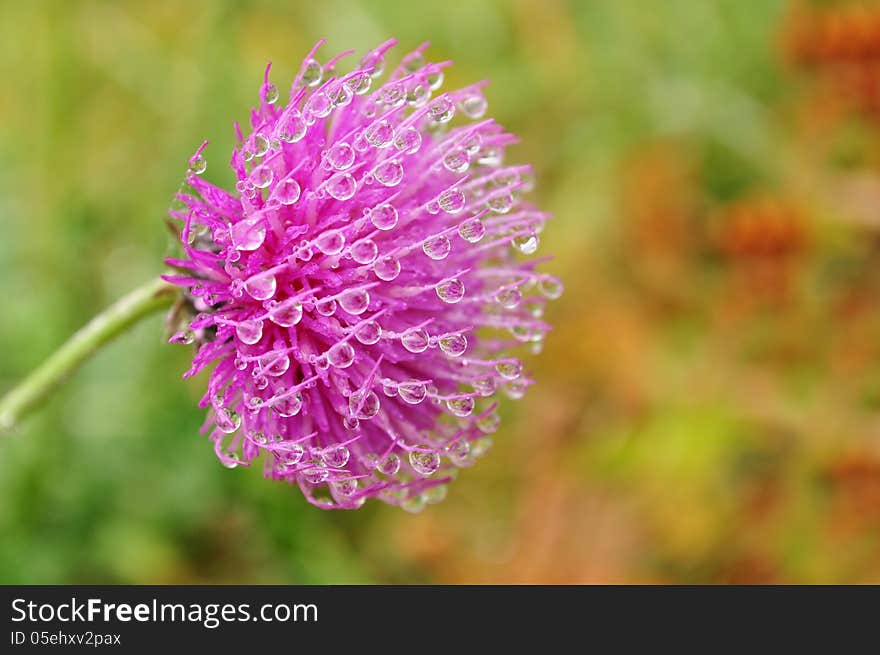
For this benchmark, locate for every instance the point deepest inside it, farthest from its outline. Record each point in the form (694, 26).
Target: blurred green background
(707, 409)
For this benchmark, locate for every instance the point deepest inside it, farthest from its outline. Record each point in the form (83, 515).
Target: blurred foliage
(707, 410)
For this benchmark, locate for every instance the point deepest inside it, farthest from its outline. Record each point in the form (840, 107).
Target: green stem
(116, 319)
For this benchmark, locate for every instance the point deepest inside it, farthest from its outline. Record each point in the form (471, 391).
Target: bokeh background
(707, 409)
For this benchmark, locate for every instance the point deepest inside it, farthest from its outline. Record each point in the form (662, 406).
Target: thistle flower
(361, 290)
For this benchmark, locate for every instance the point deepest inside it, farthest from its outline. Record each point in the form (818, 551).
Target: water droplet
(261, 287)
(436, 494)
(450, 291)
(261, 145)
(500, 204)
(288, 406)
(380, 134)
(389, 173)
(341, 156)
(459, 452)
(227, 420)
(460, 407)
(319, 105)
(315, 475)
(326, 307)
(457, 161)
(185, 337)
(330, 242)
(393, 95)
(291, 454)
(490, 156)
(364, 251)
(472, 230)
(287, 191)
(359, 83)
(389, 465)
(424, 463)
(441, 110)
(452, 201)
(509, 369)
(270, 93)
(355, 301)
(415, 340)
(484, 386)
(516, 389)
(368, 333)
(474, 106)
(344, 488)
(198, 164)
(293, 129)
(413, 504)
(342, 186)
(438, 247)
(261, 177)
(488, 423)
(408, 140)
(341, 96)
(312, 72)
(341, 355)
(453, 345)
(249, 332)
(550, 287)
(351, 423)
(418, 96)
(336, 456)
(286, 314)
(412, 391)
(509, 298)
(384, 217)
(368, 402)
(373, 63)
(527, 244)
(275, 364)
(248, 234)
(435, 80)
(387, 268)
(414, 61)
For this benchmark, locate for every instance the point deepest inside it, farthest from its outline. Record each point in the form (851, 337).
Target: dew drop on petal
(438, 247)
(336, 456)
(424, 463)
(509, 369)
(312, 72)
(509, 298)
(355, 301)
(261, 286)
(287, 191)
(261, 177)
(330, 242)
(389, 465)
(527, 244)
(341, 355)
(387, 268)
(457, 161)
(550, 287)
(450, 291)
(249, 332)
(364, 404)
(472, 230)
(473, 106)
(286, 314)
(288, 406)
(389, 173)
(408, 140)
(379, 134)
(368, 333)
(364, 251)
(412, 392)
(342, 186)
(460, 407)
(384, 217)
(248, 234)
(270, 93)
(415, 340)
(453, 345)
(451, 201)
(227, 420)
(326, 307)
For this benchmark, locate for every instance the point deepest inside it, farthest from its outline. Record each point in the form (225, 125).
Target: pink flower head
(362, 293)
